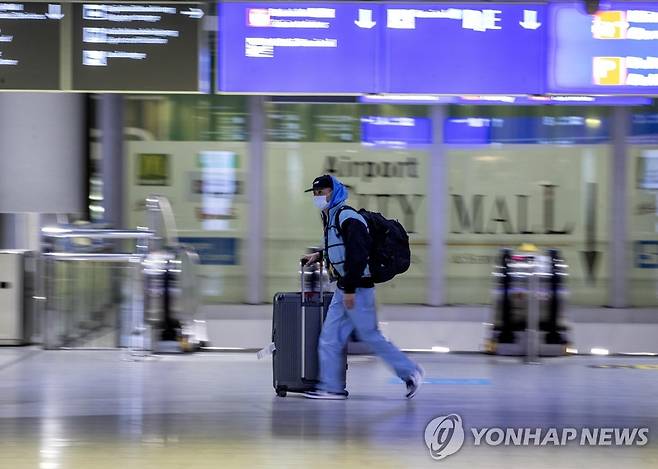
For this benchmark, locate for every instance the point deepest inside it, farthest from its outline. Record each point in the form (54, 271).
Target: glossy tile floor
(97, 409)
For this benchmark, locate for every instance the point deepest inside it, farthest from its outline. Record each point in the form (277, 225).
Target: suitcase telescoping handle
(301, 270)
(303, 299)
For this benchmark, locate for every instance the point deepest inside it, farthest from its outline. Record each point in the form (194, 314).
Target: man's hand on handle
(310, 258)
(348, 298)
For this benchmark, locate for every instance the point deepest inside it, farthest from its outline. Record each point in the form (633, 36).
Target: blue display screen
(368, 47)
(298, 47)
(524, 130)
(481, 130)
(467, 130)
(404, 131)
(614, 51)
(437, 48)
(464, 48)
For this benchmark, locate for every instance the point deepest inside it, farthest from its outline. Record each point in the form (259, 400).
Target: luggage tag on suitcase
(266, 351)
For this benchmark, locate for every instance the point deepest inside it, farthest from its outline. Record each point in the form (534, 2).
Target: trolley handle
(303, 284)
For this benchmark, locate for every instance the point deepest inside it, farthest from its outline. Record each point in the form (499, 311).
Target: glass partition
(642, 208)
(527, 175)
(193, 150)
(372, 150)
(516, 175)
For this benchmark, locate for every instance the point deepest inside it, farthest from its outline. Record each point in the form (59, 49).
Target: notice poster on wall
(204, 185)
(152, 169)
(219, 186)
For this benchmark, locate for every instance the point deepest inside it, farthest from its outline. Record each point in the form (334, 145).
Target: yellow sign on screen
(152, 169)
(609, 71)
(609, 25)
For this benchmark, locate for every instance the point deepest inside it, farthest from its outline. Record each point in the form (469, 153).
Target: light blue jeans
(338, 326)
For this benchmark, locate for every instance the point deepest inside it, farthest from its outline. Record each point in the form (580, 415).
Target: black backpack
(390, 254)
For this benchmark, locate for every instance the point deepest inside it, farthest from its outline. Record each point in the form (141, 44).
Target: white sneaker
(415, 381)
(332, 396)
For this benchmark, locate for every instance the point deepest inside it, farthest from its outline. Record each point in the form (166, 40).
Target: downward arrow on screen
(530, 20)
(365, 19)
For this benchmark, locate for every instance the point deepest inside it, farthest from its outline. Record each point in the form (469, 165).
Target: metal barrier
(95, 297)
(17, 277)
(85, 301)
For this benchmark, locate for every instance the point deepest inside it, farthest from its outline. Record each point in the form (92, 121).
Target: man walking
(346, 247)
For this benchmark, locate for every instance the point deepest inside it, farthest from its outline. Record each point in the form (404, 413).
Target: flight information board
(380, 47)
(138, 47)
(322, 47)
(464, 48)
(29, 46)
(612, 52)
(298, 47)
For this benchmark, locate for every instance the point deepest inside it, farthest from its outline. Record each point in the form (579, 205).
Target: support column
(110, 121)
(254, 249)
(618, 266)
(437, 211)
(42, 152)
(6, 231)
(22, 231)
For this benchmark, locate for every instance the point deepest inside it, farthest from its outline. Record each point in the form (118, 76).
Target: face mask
(320, 201)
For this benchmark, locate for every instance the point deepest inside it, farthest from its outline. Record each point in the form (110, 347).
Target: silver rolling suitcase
(296, 325)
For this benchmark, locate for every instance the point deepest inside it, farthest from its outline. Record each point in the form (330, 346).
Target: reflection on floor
(460, 328)
(93, 409)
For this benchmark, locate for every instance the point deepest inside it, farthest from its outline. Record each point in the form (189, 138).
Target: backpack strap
(337, 219)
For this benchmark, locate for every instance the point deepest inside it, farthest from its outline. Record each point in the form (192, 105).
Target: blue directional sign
(464, 48)
(298, 47)
(403, 131)
(437, 48)
(612, 52)
(369, 47)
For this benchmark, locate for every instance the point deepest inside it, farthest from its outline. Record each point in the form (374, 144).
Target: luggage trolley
(528, 300)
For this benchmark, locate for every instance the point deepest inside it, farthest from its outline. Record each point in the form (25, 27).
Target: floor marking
(628, 367)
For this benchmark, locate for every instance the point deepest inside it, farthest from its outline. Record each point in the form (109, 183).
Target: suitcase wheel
(282, 391)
